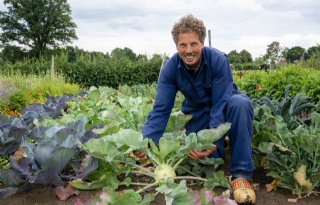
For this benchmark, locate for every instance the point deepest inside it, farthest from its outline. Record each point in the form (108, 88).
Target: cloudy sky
(145, 25)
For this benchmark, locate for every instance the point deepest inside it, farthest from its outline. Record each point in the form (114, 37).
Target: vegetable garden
(84, 141)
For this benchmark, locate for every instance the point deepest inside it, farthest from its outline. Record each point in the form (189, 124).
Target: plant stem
(147, 187)
(191, 178)
(179, 162)
(190, 172)
(153, 158)
(143, 169)
(139, 184)
(143, 173)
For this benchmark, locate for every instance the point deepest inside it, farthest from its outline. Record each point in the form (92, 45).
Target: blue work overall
(212, 98)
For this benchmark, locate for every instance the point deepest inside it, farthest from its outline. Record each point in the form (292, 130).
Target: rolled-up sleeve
(222, 87)
(163, 104)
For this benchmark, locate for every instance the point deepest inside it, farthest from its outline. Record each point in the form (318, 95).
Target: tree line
(39, 28)
(275, 55)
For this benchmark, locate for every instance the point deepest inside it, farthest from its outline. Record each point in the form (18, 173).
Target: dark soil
(46, 195)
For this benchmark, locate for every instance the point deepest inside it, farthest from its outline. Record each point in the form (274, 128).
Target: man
(204, 77)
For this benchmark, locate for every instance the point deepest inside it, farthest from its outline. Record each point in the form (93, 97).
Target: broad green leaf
(176, 194)
(266, 147)
(127, 197)
(212, 135)
(273, 174)
(101, 149)
(148, 198)
(217, 180)
(82, 185)
(168, 146)
(131, 138)
(93, 96)
(59, 159)
(176, 121)
(10, 178)
(108, 129)
(109, 179)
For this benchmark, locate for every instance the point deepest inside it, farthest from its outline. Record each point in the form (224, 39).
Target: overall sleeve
(222, 87)
(163, 104)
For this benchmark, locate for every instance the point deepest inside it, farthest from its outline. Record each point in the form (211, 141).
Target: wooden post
(164, 58)
(52, 66)
(209, 37)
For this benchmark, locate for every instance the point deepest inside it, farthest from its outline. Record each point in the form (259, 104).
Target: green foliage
(313, 51)
(92, 68)
(274, 53)
(295, 53)
(37, 25)
(234, 57)
(247, 81)
(296, 149)
(13, 53)
(241, 61)
(19, 100)
(305, 81)
(19, 91)
(245, 56)
(289, 108)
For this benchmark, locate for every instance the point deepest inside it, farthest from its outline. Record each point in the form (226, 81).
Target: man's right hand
(196, 154)
(140, 155)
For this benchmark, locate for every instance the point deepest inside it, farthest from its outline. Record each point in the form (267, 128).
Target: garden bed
(46, 195)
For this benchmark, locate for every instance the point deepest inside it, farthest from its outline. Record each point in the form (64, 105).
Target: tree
(119, 53)
(314, 51)
(284, 52)
(245, 56)
(234, 57)
(36, 25)
(295, 53)
(260, 62)
(274, 53)
(13, 53)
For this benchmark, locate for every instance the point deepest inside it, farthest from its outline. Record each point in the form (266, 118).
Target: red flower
(259, 86)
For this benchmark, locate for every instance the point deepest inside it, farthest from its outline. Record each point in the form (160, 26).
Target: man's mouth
(189, 57)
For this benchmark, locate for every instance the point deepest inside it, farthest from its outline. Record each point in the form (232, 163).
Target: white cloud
(145, 25)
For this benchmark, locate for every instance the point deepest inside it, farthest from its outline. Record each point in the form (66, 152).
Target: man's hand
(195, 154)
(140, 155)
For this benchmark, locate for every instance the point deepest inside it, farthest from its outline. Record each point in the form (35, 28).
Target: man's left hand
(196, 154)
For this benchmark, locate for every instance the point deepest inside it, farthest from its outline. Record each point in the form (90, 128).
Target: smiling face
(189, 49)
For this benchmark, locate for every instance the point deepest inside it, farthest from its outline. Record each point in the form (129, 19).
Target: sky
(145, 25)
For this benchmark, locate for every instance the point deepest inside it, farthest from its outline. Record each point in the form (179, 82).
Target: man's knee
(240, 102)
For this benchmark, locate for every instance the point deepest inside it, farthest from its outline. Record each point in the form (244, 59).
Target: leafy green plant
(39, 161)
(165, 158)
(19, 100)
(293, 159)
(26, 90)
(305, 80)
(289, 108)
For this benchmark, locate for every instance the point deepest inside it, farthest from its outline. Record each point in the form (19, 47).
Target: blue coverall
(212, 98)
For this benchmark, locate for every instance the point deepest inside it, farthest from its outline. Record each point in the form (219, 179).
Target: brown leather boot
(242, 191)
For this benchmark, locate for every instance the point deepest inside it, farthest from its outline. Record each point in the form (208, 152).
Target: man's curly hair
(188, 24)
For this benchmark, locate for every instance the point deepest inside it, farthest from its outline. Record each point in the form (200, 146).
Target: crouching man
(203, 75)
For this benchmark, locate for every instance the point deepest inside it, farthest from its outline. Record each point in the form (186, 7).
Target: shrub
(257, 84)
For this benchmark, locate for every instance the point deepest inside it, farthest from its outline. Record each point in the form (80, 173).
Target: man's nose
(189, 49)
